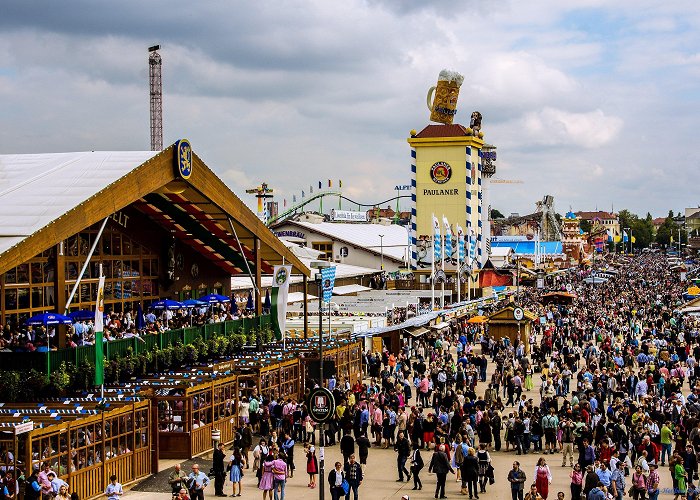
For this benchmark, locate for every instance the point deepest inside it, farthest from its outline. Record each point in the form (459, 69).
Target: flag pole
(442, 255)
(459, 267)
(432, 272)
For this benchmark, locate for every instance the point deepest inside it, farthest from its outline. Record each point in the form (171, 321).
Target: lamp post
(321, 426)
(381, 250)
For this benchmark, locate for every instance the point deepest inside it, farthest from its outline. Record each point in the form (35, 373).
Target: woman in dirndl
(235, 467)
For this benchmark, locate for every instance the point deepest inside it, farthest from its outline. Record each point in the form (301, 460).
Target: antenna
(156, 91)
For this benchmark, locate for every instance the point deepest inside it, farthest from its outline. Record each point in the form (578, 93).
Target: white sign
(518, 313)
(321, 453)
(24, 427)
(405, 187)
(349, 216)
(540, 283)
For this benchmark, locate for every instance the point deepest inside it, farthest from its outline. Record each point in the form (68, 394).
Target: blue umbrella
(166, 304)
(249, 305)
(215, 298)
(82, 315)
(49, 319)
(192, 303)
(268, 304)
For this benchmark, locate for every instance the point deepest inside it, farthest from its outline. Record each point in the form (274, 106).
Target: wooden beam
(214, 188)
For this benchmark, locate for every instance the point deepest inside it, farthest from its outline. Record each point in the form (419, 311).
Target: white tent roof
(394, 241)
(348, 289)
(37, 189)
(294, 297)
(501, 251)
(243, 282)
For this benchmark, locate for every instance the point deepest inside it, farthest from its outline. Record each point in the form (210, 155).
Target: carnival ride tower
(262, 193)
(156, 97)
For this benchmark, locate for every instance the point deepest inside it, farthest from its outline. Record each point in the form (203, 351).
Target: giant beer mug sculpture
(443, 106)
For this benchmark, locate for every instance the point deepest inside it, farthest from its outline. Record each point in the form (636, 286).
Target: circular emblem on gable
(281, 276)
(183, 158)
(440, 172)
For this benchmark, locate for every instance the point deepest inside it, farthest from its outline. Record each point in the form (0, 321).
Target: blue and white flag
(472, 246)
(448, 237)
(328, 282)
(624, 237)
(437, 240)
(460, 243)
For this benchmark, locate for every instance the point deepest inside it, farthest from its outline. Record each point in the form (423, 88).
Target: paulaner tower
(446, 173)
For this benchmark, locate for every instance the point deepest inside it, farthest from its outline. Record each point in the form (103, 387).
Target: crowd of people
(117, 325)
(615, 369)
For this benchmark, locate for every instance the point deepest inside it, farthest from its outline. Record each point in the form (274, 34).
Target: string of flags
(311, 190)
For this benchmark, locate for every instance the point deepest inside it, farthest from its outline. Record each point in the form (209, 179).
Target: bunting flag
(280, 292)
(328, 277)
(472, 246)
(99, 329)
(320, 186)
(460, 243)
(303, 193)
(634, 240)
(285, 202)
(294, 198)
(610, 236)
(311, 189)
(340, 183)
(437, 240)
(330, 183)
(448, 237)
(624, 237)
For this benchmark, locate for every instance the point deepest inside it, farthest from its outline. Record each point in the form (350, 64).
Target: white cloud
(554, 127)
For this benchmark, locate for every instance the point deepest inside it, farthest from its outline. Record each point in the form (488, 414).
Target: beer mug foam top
(444, 105)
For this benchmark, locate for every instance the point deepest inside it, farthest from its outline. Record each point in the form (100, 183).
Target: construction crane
(156, 90)
(506, 181)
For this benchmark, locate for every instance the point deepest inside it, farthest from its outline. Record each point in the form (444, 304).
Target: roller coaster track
(317, 196)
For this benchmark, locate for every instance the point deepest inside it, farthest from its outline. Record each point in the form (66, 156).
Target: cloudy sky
(592, 101)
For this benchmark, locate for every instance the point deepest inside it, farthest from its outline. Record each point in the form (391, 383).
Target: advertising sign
(321, 404)
(348, 216)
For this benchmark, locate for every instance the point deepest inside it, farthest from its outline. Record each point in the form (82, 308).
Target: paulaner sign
(441, 192)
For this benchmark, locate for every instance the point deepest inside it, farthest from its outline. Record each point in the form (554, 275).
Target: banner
(437, 240)
(448, 238)
(281, 276)
(472, 247)
(460, 243)
(99, 328)
(328, 282)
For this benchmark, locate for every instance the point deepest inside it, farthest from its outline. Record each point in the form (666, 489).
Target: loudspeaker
(314, 367)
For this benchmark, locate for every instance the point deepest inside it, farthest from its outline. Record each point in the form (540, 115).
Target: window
(324, 246)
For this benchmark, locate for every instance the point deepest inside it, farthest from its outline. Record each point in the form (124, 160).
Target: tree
(585, 225)
(496, 214)
(667, 231)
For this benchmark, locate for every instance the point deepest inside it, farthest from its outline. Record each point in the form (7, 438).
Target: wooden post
(306, 307)
(258, 277)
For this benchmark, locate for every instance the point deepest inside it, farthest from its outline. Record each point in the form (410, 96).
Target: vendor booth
(504, 325)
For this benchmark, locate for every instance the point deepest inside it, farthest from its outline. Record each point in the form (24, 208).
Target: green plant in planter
(11, 386)
(192, 354)
(60, 379)
(179, 353)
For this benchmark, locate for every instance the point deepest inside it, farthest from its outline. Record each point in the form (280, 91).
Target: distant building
(610, 221)
(359, 244)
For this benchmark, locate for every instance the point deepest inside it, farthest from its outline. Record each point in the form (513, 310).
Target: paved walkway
(381, 474)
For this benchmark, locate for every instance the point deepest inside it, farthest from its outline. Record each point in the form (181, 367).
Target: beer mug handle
(430, 98)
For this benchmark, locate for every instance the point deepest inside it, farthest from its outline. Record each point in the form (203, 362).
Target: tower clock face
(440, 172)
